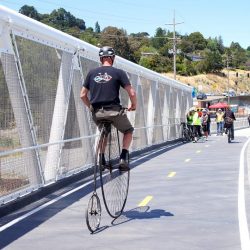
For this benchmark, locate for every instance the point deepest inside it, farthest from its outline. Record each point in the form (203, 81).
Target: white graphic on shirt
(102, 78)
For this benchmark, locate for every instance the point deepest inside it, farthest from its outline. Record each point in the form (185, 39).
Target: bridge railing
(46, 133)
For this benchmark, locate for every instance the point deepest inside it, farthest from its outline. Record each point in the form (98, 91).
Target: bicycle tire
(93, 213)
(114, 183)
(188, 137)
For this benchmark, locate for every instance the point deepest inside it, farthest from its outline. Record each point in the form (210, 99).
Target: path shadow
(138, 213)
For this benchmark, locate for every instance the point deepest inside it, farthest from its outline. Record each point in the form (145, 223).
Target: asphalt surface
(181, 197)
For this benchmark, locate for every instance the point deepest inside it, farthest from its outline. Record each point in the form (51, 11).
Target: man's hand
(132, 107)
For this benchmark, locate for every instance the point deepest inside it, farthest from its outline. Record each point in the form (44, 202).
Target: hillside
(217, 83)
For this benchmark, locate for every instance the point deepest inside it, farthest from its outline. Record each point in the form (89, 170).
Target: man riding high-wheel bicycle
(229, 119)
(103, 84)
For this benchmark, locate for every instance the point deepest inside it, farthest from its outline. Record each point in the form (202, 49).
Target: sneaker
(123, 165)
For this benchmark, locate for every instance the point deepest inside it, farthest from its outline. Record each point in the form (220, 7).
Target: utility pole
(174, 42)
(228, 97)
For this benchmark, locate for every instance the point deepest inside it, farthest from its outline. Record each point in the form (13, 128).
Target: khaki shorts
(116, 116)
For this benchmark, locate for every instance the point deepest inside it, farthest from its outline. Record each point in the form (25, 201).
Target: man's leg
(232, 131)
(122, 123)
(127, 139)
(218, 127)
(221, 128)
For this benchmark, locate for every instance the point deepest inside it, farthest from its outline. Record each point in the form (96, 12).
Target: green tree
(212, 62)
(198, 41)
(239, 55)
(136, 42)
(186, 45)
(63, 20)
(89, 36)
(97, 28)
(159, 39)
(220, 45)
(30, 11)
(118, 39)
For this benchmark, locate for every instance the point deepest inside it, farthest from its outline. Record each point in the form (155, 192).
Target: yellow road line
(187, 160)
(171, 174)
(145, 201)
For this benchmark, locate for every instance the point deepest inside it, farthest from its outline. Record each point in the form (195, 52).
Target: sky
(213, 18)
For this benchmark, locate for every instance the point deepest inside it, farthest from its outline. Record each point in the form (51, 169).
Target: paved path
(192, 192)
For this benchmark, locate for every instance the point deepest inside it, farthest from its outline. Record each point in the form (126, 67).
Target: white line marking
(24, 216)
(244, 233)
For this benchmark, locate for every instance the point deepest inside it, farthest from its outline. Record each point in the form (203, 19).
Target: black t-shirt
(104, 84)
(229, 113)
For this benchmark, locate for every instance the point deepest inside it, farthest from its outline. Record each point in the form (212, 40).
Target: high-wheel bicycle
(114, 182)
(229, 126)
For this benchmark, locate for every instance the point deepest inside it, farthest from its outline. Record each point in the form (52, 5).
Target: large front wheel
(114, 183)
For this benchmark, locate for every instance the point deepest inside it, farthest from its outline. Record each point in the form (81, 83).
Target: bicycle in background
(186, 133)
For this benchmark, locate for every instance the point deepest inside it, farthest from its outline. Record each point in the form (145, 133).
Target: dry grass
(8, 185)
(216, 83)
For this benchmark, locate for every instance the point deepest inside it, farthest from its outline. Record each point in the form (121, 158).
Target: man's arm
(233, 116)
(84, 97)
(132, 96)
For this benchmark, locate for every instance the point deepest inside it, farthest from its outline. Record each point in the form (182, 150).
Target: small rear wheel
(93, 213)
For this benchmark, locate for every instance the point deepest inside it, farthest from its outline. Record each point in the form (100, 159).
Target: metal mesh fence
(46, 132)
(40, 67)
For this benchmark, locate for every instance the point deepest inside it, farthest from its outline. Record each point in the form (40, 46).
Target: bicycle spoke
(93, 213)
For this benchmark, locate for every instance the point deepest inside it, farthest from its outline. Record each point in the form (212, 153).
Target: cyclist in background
(103, 86)
(190, 122)
(208, 122)
(197, 126)
(229, 119)
(204, 122)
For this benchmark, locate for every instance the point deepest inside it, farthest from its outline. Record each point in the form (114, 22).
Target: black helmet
(106, 51)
